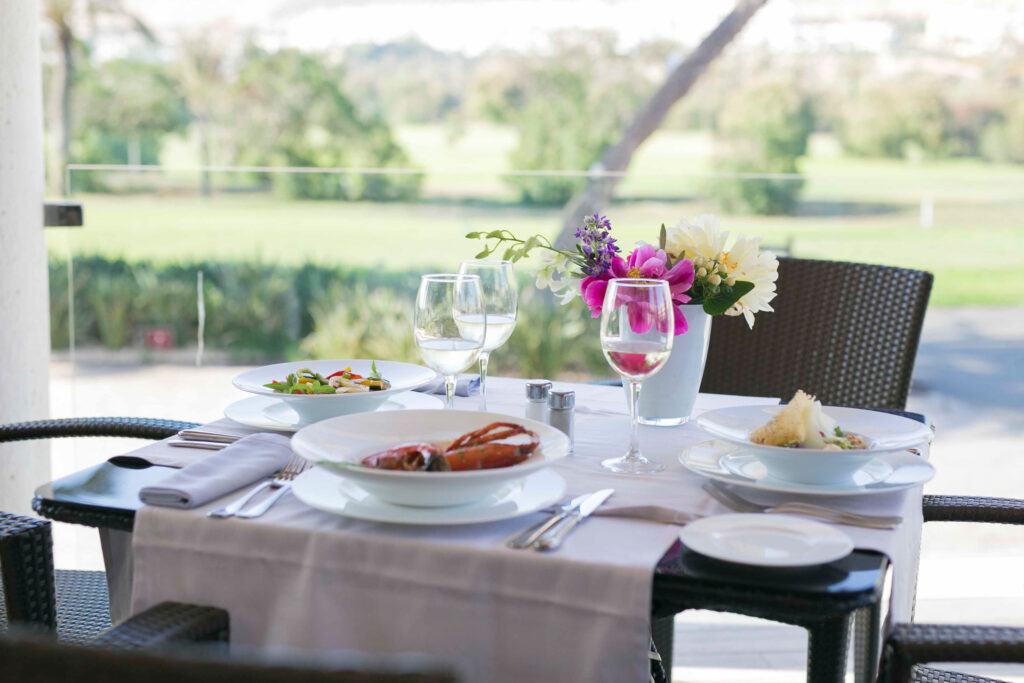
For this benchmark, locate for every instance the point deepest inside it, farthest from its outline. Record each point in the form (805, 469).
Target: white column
(24, 301)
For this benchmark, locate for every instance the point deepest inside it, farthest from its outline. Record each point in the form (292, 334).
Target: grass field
(863, 210)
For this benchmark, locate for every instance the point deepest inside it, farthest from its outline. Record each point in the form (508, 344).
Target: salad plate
(322, 490)
(732, 464)
(267, 412)
(339, 445)
(766, 540)
(397, 378)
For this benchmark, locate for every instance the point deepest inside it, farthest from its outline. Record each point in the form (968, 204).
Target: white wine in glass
(446, 346)
(637, 329)
(501, 305)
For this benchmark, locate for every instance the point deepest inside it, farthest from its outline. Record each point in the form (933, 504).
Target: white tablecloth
(300, 577)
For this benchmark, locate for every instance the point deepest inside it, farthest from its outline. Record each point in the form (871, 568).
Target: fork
(295, 466)
(740, 504)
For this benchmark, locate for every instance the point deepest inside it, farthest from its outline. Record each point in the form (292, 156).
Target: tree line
(249, 105)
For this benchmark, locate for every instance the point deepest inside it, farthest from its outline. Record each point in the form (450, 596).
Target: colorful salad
(305, 381)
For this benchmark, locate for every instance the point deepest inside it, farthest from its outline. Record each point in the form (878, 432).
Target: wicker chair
(173, 642)
(74, 603)
(846, 332)
(849, 332)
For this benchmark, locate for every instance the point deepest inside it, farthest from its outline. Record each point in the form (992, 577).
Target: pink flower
(645, 262)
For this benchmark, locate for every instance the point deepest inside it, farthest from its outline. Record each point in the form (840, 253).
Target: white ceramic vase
(667, 398)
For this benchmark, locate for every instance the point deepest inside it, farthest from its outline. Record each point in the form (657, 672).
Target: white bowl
(313, 408)
(339, 444)
(883, 432)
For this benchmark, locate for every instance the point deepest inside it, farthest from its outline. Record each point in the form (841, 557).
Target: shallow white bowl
(403, 377)
(884, 433)
(339, 444)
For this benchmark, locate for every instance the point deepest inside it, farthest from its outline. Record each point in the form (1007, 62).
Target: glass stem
(634, 422)
(484, 357)
(449, 390)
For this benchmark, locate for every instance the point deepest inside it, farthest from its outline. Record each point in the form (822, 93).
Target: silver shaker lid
(537, 389)
(562, 400)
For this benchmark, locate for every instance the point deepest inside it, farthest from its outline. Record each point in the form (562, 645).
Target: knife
(526, 538)
(554, 537)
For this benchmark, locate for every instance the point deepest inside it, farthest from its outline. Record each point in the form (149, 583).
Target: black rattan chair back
(31, 659)
(845, 332)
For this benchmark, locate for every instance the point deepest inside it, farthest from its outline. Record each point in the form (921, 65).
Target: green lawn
(864, 210)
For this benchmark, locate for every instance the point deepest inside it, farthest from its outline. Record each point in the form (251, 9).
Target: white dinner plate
(402, 376)
(267, 412)
(766, 540)
(324, 491)
(733, 464)
(341, 443)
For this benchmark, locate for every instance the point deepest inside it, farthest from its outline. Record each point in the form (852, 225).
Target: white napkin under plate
(243, 462)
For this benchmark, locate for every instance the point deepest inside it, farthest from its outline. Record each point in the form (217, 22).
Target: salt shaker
(537, 399)
(561, 410)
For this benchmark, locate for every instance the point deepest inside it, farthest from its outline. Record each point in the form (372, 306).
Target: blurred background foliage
(259, 312)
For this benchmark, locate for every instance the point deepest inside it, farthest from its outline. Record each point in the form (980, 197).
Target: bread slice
(789, 425)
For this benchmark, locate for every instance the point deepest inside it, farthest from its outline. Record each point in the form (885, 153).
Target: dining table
(300, 577)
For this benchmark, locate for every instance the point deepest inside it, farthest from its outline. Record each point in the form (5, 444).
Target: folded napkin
(467, 385)
(243, 462)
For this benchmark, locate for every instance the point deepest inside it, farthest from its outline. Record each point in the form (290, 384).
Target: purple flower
(594, 241)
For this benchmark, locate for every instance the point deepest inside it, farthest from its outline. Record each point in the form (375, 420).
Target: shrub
(262, 312)
(896, 121)
(1002, 140)
(762, 130)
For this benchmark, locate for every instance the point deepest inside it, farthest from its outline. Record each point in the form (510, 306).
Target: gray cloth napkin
(243, 462)
(467, 385)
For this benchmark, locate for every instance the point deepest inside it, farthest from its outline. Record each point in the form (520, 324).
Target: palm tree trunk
(598, 191)
(59, 111)
(203, 131)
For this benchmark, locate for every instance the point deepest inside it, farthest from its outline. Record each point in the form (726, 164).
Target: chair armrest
(26, 566)
(910, 644)
(973, 509)
(166, 623)
(135, 427)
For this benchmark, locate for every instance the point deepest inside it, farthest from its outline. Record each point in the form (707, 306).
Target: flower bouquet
(696, 259)
(707, 274)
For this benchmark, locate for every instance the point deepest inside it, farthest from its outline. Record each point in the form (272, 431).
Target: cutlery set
(549, 534)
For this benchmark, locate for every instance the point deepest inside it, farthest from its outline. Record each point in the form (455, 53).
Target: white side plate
(324, 491)
(766, 540)
(267, 412)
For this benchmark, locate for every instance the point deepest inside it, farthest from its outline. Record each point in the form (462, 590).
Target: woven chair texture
(911, 645)
(846, 332)
(75, 603)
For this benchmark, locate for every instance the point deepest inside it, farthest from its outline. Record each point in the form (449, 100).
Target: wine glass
(445, 345)
(501, 303)
(637, 328)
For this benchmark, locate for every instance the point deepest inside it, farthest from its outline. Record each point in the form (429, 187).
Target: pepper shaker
(561, 413)
(537, 399)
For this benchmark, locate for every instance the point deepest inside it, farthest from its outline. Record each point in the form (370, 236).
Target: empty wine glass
(445, 345)
(501, 303)
(637, 328)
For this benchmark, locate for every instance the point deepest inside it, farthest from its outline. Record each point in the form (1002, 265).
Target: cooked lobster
(477, 450)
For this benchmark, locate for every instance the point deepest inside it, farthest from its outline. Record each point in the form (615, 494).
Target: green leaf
(509, 253)
(529, 244)
(496, 234)
(663, 237)
(483, 254)
(724, 300)
(374, 374)
(473, 235)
